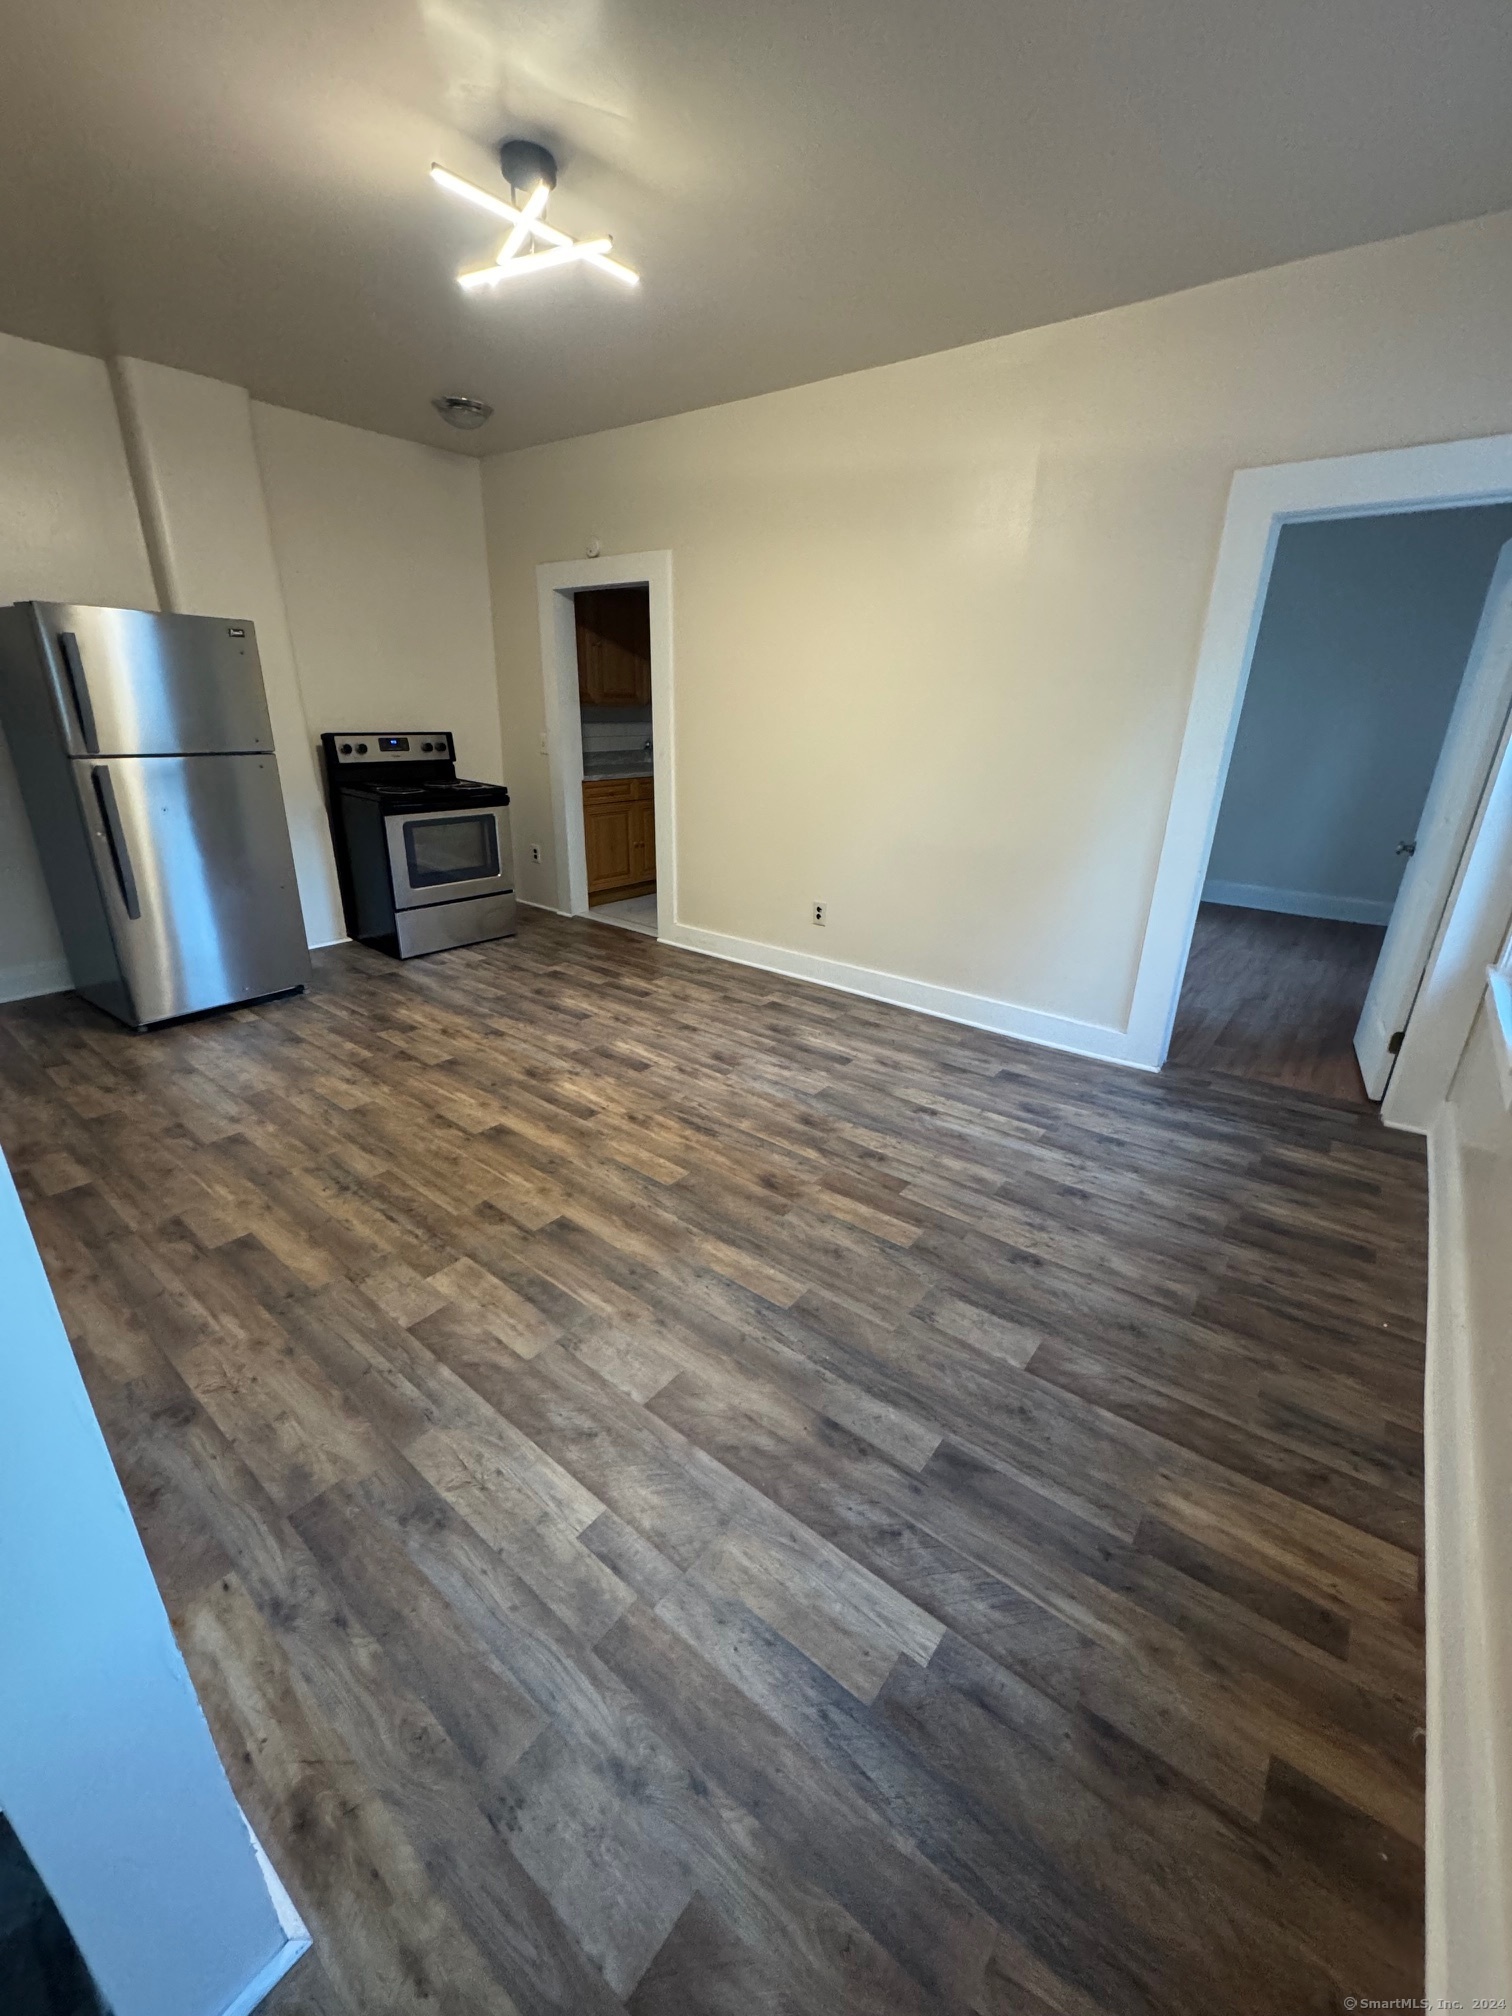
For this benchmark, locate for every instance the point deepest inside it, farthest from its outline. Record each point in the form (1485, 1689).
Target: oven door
(440, 857)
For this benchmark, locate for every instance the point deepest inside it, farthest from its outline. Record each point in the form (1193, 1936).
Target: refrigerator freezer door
(193, 861)
(128, 683)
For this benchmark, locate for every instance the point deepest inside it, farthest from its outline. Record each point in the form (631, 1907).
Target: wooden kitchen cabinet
(643, 842)
(619, 836)
(613, 647)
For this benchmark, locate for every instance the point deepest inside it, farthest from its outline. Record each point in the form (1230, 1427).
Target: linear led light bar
(527, 224)
(534, 262)
(519, 235)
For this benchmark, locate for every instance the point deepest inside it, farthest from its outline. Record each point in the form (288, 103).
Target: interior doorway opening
(612, 636)
(1377, 664)
(559, 585)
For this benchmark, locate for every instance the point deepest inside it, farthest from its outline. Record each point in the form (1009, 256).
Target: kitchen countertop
(631, 765)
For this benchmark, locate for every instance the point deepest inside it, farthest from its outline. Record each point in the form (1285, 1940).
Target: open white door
(1470, 745)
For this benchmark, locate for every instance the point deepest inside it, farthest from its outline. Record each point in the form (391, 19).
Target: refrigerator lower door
(194, 867)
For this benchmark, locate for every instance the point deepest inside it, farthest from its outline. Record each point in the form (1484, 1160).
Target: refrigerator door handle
(78, 686)
(115, 833)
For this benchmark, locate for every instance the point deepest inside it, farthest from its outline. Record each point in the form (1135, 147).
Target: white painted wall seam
(200, 495)
(69, 531)
(381, 555)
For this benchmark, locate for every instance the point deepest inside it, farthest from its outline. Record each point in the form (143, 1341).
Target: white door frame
(556, 583)
(1472, 936)
(1261, 502)
(1455, 794)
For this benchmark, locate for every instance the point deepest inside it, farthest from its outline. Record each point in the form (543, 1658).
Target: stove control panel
(365, 745)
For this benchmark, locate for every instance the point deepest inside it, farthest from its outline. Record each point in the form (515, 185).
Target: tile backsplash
(615, 731)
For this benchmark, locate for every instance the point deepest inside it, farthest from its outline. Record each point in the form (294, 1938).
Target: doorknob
(1406, 847)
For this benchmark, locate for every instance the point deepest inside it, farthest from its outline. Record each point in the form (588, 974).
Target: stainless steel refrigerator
(145, 757)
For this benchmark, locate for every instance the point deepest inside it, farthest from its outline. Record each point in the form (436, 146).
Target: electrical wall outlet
(535, 853)
(818, 913)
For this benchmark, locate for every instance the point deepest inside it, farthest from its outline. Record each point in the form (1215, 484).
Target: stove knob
(425, 748)
(346, 748)
(362, 748)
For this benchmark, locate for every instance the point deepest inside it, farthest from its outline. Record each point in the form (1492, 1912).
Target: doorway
(606, 666)
(1365, 633)
(612, 627)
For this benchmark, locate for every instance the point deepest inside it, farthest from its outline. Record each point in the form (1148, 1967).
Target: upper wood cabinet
(614, 647)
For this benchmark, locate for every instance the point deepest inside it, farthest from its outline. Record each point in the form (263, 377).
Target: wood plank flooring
(683, 1492)
(1276, 999)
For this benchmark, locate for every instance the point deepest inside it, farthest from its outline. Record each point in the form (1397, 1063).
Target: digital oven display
(390, 743)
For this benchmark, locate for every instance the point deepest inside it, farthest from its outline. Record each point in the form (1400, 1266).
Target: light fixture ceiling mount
(533, 245)
(458, 409)
(526, 165)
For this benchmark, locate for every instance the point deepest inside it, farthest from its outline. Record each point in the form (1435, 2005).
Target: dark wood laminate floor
(683, 1492)
(1276, 999)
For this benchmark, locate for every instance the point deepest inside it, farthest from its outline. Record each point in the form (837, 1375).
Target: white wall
(1363, 643)
(360, 559)
(200, 493)
(936, 624)
(107, 1769)
(385, 576)
(68, 531)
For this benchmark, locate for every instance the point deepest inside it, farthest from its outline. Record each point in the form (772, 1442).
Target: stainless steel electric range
(423, 855)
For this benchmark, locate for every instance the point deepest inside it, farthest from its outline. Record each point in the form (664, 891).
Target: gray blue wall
(107, 1769)
(1363, 641)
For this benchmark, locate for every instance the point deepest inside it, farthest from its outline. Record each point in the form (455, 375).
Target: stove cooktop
(434, 794)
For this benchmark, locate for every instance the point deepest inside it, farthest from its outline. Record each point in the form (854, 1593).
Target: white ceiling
(807, 186)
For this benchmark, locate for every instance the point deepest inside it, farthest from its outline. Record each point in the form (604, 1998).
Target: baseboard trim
(262, 1985)
(296, 1938)
(35, 976)
(976, 1011)
(1297, 902)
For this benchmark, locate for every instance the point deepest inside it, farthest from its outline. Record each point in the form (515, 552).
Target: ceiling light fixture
(527, 167)
(538, 262)
(458, 410)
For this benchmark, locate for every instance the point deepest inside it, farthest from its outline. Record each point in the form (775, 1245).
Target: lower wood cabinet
(619, 835)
